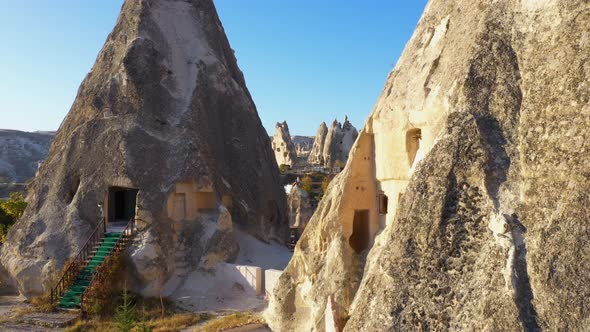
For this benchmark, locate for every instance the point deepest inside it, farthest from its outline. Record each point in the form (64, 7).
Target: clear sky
(305, 61)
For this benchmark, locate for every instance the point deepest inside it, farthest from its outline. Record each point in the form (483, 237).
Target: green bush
(10, 211)
(283, 168)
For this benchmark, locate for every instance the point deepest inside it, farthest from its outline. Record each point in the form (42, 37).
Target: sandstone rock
(163, 130)
(283, 147)
(316, 156)
(464, 205)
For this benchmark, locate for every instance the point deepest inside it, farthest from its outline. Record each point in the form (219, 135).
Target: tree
(325, 183)
(10, 211)
(125, 313)
(15, 206)
(306, 184)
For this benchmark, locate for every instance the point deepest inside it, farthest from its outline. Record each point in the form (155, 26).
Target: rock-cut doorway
(360, 238)
(121, 205)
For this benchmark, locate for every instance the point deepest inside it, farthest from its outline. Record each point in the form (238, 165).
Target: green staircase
(73, 296)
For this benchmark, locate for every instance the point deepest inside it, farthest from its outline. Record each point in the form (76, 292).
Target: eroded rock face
(164, 119)
(464, 205)
(284, 149)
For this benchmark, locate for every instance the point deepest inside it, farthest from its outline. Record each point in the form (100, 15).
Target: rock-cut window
(413, 137)
(383, 202)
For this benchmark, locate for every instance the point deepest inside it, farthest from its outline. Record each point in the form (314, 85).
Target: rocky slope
(282, 145)
(163, 120)
(464, 205)
(21, 152)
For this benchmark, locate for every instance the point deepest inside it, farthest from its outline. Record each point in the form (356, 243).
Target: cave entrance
(359, 240)
(413, 137)
(121, 204)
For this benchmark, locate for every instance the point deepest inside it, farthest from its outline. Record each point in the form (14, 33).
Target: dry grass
(43, 304)
(173, 323)
(231, 321)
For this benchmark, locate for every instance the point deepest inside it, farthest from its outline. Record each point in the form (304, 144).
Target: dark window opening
(121, 204)
(359, 240)
(383, 202)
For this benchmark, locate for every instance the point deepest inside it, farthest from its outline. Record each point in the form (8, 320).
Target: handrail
(77, 263)
(118, 248)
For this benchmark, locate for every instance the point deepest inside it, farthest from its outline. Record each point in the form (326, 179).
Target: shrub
(10, 211)
(283, 168)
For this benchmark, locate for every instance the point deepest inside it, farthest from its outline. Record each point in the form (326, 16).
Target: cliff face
(464, 205)
(163, 130)
(284, 149)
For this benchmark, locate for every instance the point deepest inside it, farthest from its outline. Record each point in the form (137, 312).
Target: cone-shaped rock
(284, 149)
(316, 156)
(163, 130)
(465, 203)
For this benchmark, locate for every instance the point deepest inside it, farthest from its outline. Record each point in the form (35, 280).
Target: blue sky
(304, 61)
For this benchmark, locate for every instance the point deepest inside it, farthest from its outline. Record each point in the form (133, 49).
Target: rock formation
(21, 152)
(299, 207)
(331, 147)
(316, 156)
(284, 149)
(465, 203)
(303, 145)
(163, 130)
(339, 141)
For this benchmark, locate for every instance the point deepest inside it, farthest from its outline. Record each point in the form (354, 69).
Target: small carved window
(278, 149)
(383, 202)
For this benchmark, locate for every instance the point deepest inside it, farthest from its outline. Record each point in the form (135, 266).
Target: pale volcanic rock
(464, 205)
(316, 156)
(165, 114)
(339, 141)
(282, 145)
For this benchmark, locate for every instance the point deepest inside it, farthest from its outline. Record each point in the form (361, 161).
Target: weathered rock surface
(303, 145)
(332, 146)
(316, 156)
(164, 119)
(464, 205)
(339, 141)
(282, 145)
(21, 152)
(299, 208)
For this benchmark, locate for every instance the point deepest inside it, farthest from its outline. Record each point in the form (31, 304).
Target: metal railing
(103, 270)
(77, 264)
